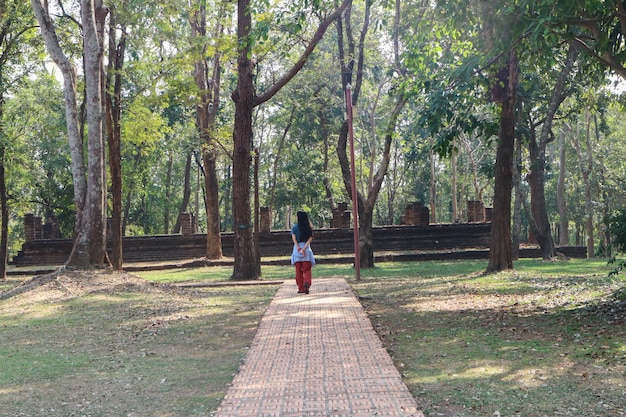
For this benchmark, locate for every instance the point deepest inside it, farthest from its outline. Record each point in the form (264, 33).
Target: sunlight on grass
(528, 341)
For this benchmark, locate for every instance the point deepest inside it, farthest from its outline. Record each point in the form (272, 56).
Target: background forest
(430, 83)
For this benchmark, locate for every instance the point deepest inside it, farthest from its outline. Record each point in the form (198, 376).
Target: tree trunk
(245, 264)
(500, 256)
(366, 239)
(244, 267)
(325, 132)
(90, 242)
(606, 203)
(214, 237)
(71, 106)
(184, 205)
(257, 206)
(4, 209)
(536, 181)
(517, 208)
(586, 166)
(537, 150)
(433, 184)
(114, 112)
(560, 193)
(168, 194)
(206, 111)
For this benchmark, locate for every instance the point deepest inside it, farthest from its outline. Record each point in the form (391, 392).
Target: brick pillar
(341, 217)
(345, 219)
(37, 222)
(408, 214)
(29, 227)
(424, 216)
(51, 228)
(186, 224)
(488, 214)
(266, 219)
(475, 211)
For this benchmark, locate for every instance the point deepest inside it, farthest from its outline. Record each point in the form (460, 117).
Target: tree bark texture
(500, 256)
(206, 111)
(68, 72)
(114, 112)
(90, 241)
(536, 181)
(244, 267)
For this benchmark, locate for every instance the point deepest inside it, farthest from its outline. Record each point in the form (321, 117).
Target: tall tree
(207, 76)
(89, 248)
(500, 253)
(537, 145)
(352, 55)
(246, 265)
(117, 50)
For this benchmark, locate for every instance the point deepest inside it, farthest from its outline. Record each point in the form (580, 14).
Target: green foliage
(38, 162)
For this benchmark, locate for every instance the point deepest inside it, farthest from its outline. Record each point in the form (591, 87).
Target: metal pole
(355, 200)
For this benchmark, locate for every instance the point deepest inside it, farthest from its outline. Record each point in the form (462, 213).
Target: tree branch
(305, 55)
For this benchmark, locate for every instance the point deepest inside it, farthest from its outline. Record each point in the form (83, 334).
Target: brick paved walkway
(317, 355)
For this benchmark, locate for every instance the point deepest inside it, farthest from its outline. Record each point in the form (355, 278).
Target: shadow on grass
(162, 352)
(531, 345)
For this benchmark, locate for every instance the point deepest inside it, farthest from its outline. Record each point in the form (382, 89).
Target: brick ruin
(36, 229)
(415, 214)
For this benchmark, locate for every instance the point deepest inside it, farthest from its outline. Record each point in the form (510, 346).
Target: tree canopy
(203, 89)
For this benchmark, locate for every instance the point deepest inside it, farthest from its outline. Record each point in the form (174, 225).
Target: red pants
(303, 275)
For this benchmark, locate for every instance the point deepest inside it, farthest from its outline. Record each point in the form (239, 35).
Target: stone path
(317, 355)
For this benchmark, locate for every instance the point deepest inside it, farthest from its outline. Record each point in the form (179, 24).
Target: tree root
(35, 282)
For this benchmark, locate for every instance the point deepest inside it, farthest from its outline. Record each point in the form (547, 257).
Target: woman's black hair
(305, 226)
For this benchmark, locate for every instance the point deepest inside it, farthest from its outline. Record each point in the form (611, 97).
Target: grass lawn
(547, 339)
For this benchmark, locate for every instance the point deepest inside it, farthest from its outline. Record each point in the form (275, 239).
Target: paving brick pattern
(317, 355)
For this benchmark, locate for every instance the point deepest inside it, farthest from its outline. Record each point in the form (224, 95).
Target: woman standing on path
(302, 255)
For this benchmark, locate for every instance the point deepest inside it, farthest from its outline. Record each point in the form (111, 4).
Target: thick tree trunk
(500, 256)
(244, 267)
(245, 264)
(214, 238)
(90, 243)
(114, 134)
(536, 181)
(71, 107)
(206, 111)
(366, 239)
